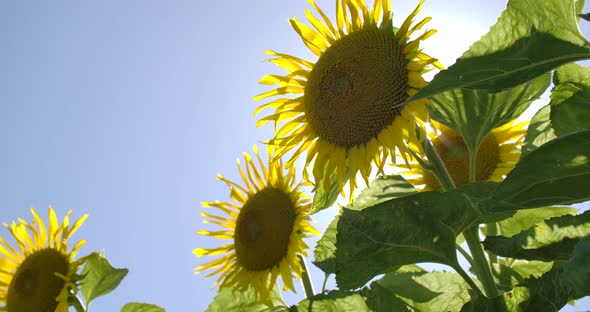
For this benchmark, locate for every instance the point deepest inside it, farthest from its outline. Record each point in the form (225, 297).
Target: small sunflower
(497, 155)
(37, 276)
(266, 225)
(348, 110)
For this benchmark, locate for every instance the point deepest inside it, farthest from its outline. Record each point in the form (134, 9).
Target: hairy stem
(468, 280)
(481, 265)
(306, 278)
(438, 168)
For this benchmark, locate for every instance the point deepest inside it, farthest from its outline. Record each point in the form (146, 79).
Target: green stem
(465, 254)
(437, 166)
(76, 302)
(306, 278)
(472, 165)
(325, 282)
(468, 279)
(481, 264)
(492, 230)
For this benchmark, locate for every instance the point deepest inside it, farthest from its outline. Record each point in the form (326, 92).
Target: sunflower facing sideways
(266, 224)
(497, 155)
(348, 110)
(37, 275)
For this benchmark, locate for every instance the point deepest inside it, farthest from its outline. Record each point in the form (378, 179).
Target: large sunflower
(37, 276)
(497, 155)
(348, 110)
(266, 225)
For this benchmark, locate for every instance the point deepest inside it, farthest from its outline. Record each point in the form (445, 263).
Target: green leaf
(379, 190)
(576, 272)
(141, 307)
(539, 131)
(324, 198)
(382, 189)
(325, 250)
(511, 272)
(428, 291)
(380, 299)
(554, 239)
(417, 228)
(570, 99)
(556, 173)
(526, 42)
(231, 300)
(100, 278)
(473, 114)
(524, 219)
(547, 293)
(334, 301)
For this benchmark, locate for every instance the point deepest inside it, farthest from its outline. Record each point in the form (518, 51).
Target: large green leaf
(231, 300)
(473, 114)
(141, 307)
(379, 190)
(382, 189)
(547, 293)
(576, 272)
(570, 99)
(556, 173)
(511, 272)
(428, 291)
(334, 301)
(524, 219)
(539, 131)
(325, 250)
(553, 239)
(100, 278)
(417, 228)
(380, 299)
(529, 39)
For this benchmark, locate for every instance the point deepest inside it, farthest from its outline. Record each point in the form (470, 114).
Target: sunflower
(349, 109)
(497, 155)
(266, 225)
(38, 275)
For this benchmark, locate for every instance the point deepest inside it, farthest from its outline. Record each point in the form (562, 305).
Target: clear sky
(127, 110)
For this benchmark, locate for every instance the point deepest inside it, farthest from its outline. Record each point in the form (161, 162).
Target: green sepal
(324, 198)
(473, 114)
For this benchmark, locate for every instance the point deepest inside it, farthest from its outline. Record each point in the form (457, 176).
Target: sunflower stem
(468, 280)
(492, 230)
(481, 265)
(465, 254)
(437, 166)
(472, 165)
(325, 282)
(306, 278)
(76, 302)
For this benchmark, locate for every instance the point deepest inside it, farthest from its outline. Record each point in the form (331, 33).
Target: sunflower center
(263, 229)
(34, 286)
(355, 88)
(455, 155)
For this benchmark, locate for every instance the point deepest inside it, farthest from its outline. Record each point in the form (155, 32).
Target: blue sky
(128, 110)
